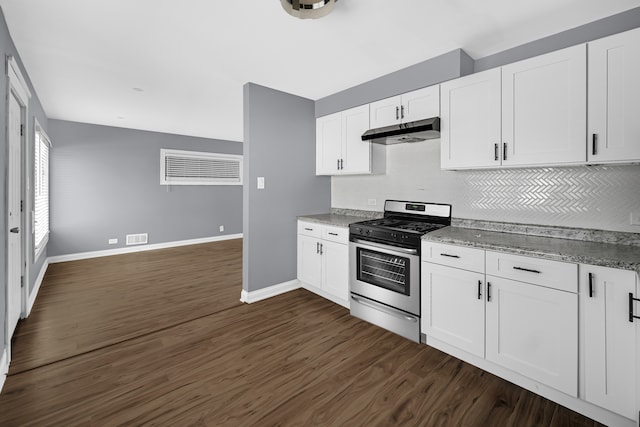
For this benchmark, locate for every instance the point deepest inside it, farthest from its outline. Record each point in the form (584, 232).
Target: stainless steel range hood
(419, 130)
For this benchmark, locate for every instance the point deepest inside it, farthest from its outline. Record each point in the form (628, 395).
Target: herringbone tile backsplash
(600, 197)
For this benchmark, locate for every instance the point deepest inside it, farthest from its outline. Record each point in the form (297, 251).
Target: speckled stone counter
(625, 257)
(336, 220)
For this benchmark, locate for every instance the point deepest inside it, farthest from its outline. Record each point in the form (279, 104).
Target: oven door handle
(388, 310)
(365, 243)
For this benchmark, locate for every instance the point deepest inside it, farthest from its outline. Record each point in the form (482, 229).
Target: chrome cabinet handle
(488, 291)
(504, 151)
(402, 112)
(631, 315)
(594, 144)
(341, 164)
(321, 248)
(338, 164)
(590, 285)
(496, 153)
(479, 289)
(333, 234)
(450, 256)
(397, 113)
(308, 229)
(527, 270)
(317, 247)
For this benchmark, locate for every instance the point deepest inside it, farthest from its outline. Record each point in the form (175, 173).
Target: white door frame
(16, 85)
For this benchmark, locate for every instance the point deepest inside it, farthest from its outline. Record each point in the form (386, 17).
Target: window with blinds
(179, 167)
(41, 150)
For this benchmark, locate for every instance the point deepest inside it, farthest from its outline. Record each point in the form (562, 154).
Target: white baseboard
(36, 286)
(271, 291)
(4, 367)
(141, 248)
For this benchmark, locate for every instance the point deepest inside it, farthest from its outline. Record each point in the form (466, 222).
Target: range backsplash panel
(599, 197)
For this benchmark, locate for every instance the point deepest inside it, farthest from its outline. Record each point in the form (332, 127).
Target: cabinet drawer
(454, 256)
(335, 234)
(310, 229)
(552, 274)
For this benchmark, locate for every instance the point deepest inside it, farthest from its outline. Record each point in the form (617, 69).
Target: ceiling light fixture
(305, 9)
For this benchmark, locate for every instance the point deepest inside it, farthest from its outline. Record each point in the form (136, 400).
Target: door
(544, 109)
(356, 152)
(309, 261)
(609, 338)
(385, 112)
(328, 144)
(533, 330)
(453, 307)
(14, 241)
(470, 121)
(420, 104)
(335, 278)
(614, 98)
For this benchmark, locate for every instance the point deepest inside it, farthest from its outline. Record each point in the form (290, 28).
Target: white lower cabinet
(453, 306)
(323, 260)
(563, 330)
(609, 339)
(533, 330)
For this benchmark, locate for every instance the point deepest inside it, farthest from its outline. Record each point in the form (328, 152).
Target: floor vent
(137, 239)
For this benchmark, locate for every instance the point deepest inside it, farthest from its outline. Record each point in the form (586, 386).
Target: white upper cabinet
(411, 106)
(340, 149)
(470, 121)
(614, 98)
(544, 109)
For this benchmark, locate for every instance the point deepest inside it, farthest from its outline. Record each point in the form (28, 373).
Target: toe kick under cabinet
(563, 330)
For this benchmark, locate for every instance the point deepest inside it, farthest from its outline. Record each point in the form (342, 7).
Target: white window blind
(178, 167)
(41, 189)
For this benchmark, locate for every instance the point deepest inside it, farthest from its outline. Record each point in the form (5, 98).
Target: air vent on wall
(178, 167)
(137, 239)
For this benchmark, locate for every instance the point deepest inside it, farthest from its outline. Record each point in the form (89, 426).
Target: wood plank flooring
(292, 360)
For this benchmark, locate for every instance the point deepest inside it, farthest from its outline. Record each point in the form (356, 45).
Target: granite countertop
(625, 257)
(336, 220)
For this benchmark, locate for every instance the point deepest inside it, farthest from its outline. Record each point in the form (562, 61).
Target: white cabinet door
(385, 112)
(328, 144)
(470, 114)
(335, 279)
(544, 109)
(533, 331)
(420, 104)
(309, 261)
(614, 98)
(356, 152)
(453, 307)
(609, 350)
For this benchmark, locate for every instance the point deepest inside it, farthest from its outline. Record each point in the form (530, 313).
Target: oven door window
(383, 270)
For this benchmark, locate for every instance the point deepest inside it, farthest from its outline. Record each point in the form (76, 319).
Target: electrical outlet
(634, 218)
(261, 183)
(221, 228)
(113, 241)
(371, 202)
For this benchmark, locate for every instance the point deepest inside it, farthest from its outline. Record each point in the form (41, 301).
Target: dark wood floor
(156, 355)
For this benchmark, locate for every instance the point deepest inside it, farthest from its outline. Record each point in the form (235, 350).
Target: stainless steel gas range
(384, 262)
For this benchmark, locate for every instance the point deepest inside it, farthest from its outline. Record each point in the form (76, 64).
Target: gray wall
(35, 111)
(105, 183)
(427, 73)
(279, 134)
(594, 30)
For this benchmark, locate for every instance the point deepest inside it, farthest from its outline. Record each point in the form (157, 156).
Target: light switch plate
(371, 202)
(261, 183)
(113, 241)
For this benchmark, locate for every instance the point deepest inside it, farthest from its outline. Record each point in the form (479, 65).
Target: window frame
(40, 139)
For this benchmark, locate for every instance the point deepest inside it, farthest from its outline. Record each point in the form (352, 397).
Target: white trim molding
(271, 291)
(142, 248)
(4, 367)
(36, 287)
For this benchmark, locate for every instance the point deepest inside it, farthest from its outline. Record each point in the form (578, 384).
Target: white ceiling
(191, 58)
